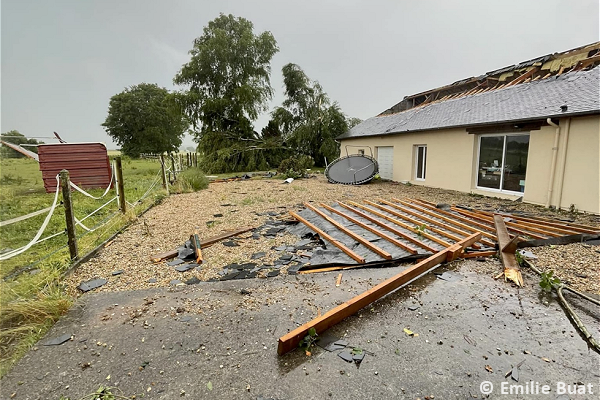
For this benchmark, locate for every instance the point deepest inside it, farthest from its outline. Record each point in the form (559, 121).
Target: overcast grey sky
(63, 60)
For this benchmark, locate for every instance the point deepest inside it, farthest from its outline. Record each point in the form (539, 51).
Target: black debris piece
(248, 266)
(245, 291)
(255, 235)
(449, 276)
(413, 308)
(185, 253)
(152, 280)
(271, 274)
(293, 270)
(514, 374)
(346, 356)
(92, 284)
(246, 176)
(119, 272)
(175, 282)
(334, 347)
(175, 262)
(185, 267)
(217, 215)
(357, 358)
(210, 223)
(193, 281)
(226, 205)
(58, 340)
(286, 257)
(258, 255)
(443, 206)
(231, 275)
(186, 318)
(280, 248)
(230, 243)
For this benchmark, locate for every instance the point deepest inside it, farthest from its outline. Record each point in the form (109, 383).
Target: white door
(385, 159)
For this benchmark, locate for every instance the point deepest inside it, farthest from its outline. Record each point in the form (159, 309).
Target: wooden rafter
(329, 238)
(350, 233)
(291, 340)
(377, 232)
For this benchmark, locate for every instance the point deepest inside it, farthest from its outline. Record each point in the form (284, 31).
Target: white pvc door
(385, 159)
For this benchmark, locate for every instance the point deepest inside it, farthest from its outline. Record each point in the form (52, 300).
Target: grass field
(31, 294)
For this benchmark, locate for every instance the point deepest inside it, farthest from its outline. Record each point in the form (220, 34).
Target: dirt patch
(228, 206)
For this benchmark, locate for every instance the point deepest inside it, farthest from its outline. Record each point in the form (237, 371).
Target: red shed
(87, 164)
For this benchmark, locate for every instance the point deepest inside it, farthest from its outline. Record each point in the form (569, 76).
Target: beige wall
(452, 155)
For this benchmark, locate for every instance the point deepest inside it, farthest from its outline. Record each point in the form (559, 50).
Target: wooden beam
(540, 225)
(204, 243)
(485, 218)
(377, 232)
(376, 249)
(479, 254)
(511, 266)
(406, 226)
(290, 341)
(465, 231)
(330, 239)
(455, 218)
(429, 220)
(385, 226)
(545, 223)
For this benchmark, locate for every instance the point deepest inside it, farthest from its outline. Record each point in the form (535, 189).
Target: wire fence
(106, 218)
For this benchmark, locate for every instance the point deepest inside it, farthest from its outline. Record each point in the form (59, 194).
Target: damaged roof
(579, 91)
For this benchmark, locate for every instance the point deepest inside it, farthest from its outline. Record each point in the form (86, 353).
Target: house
(531, 130)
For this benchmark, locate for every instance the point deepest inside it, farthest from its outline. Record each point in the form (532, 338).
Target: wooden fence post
(120, 185)
(173, 167)
(69, 217)
(164, 173)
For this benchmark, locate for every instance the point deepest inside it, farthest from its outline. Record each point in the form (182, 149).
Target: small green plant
(308, 341)
(573, 210)
(103, 393)
(10, 179)
(549, 281)
(191, 180)
(421, 230)
(520, 258)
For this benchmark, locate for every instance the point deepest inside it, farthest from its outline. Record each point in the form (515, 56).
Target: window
(421, 162)
(503, 162)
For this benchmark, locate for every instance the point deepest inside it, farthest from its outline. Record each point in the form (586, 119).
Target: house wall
(452, 155)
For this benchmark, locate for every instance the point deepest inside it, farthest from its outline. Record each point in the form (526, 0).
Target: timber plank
(290, 341)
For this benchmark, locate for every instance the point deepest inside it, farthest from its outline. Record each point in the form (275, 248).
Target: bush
(191, 180)
(295, 166)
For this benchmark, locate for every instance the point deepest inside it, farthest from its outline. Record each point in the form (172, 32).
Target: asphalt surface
(218, 340)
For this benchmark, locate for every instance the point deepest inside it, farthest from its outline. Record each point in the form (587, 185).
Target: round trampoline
(353, 169)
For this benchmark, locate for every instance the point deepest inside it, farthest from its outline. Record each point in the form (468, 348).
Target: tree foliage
(310, 122)
(145, 118)
(228, 86)
(17, 138)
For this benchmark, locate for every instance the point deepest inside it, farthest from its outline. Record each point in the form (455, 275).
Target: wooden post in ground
(69, 217)
(164, 173)
(120, 185)
(195, 159)
(173, 167)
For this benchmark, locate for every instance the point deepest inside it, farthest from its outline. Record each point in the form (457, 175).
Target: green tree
(17, 138)
(310, 122)
(228, 86)
(145, 118)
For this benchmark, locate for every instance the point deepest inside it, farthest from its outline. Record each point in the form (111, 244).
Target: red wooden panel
(87, 164)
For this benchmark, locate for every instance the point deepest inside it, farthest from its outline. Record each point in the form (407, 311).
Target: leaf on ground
(546, 359)
(410, 333)
(209, 385)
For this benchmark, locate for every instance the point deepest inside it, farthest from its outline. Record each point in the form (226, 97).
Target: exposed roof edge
(483, 124)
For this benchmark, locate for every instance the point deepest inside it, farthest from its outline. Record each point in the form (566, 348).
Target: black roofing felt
(579, 91)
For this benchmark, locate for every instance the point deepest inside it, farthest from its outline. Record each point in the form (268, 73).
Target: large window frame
(423, 162)
(504, 136)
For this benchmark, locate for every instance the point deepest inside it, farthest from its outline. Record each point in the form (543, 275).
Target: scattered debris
(507, 252)
(92, 284)
(338, 281)
(59, 340)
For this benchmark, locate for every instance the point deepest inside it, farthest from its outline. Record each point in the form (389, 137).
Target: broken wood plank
(542, 225)
(410, 228)
(377, 232)
(376, 249)
(511, 246)
(579, 228)
(429, 221)
(479, 254)
(511, 266)
(290, 341)
(195, 239)
(465, 230)
(385, 226)
(338, 281)
(329, 238)
(203, 243)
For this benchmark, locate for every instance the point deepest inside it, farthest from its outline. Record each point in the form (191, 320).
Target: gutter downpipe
(553, 163)
(561, 180)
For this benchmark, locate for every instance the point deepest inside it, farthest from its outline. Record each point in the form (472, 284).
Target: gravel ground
(228, 206)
